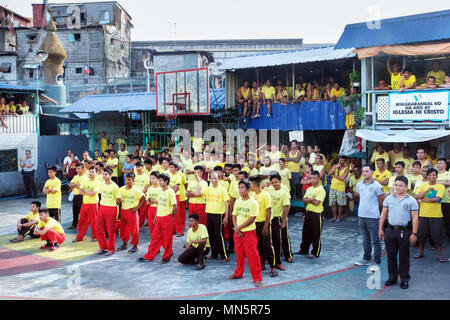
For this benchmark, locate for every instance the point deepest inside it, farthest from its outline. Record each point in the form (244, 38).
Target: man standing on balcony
(28, 165)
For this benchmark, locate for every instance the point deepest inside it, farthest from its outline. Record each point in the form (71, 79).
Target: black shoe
(141, 259)
(404, 285)
(164, 261)
(72, 227)
(390, 282)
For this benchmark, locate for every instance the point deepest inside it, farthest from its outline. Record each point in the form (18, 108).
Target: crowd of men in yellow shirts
(12, 109)
(402, 78)
(237, 204)
(267, 94)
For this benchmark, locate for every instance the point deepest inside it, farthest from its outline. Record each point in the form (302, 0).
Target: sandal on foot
(122, 248)
(133, 250)
(100, 251)
(273, 273)
(440, 259)
(109, 253)
(280, 267)
(418, 256)
(199, 267)
(234, 277)
(258, 284)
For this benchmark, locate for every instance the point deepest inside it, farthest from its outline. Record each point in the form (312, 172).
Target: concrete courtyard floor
(77, 272)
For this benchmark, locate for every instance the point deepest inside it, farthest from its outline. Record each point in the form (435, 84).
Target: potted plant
(355, 78)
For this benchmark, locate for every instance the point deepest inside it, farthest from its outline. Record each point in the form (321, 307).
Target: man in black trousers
(400, 209)
(28, 165)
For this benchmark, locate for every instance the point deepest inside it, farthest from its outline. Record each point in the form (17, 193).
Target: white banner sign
(419, 105)
(296, 135)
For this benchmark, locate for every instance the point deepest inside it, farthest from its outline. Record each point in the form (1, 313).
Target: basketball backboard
(182, 92)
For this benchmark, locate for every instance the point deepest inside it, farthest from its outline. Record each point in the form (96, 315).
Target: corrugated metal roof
(10, 87)
(287, 57)
(424, 27)
(128, 102)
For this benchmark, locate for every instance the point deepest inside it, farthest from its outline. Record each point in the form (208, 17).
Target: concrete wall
(53, 149)
(11, 182)
(10, 76)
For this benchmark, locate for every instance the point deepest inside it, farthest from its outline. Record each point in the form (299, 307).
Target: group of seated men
(403, 79)
(267, 94)
(12, 109)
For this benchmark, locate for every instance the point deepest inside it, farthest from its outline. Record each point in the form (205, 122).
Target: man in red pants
(132, 200)
(245, 212)
(142, 182)
(176, 181)
(165, 213)
(152, 193)
(89, 189)
(196, 193)
(106, 219)
(50, 230)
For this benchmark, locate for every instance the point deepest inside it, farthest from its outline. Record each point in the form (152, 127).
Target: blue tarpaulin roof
(287, 57)
(432, 26)
(317, 115)
(128, 102)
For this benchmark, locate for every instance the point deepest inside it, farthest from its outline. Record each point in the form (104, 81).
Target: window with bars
(8, 160)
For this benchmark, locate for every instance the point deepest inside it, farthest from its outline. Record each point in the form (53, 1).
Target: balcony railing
(19, 124)
(380, 108)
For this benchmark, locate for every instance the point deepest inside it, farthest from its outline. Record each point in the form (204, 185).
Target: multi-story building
(96, 37)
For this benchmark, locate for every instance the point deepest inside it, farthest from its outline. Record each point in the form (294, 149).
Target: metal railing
(19, 124)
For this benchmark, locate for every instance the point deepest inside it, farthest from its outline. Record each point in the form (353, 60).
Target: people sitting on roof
(256, 100)
(23, 108)
(431, 83)
(11, 108)
(327, 91)
(437, 73)
(3, 112)
(299, 94)
(395, 73)
(382, 85)
(408, 80)
(312, 93)
(281, 95)
(268, 94)
(337, 92)
(243, 98)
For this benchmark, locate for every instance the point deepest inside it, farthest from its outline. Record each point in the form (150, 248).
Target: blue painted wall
(53, 149)
(317, 115)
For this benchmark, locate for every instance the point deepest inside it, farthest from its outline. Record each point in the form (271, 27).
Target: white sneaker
(363, 263)
(374, 267)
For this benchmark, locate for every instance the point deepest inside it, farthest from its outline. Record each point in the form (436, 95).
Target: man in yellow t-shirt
(338, 199)
(77, 201)
(142, 182)
(444, 179)
(395, 72)
(26, 225)
(245, 212)
(262, 222)
(107, 214)
(196, 194)
(197, 243)
(380, 153)
(395, 154)
(281, 204)
(177, 183)
(89, 189)
(132, 200)
(408, 80)
(113, 163)
(164, 222)
(382, 175)
(431, 224)
(437, 73)
(197, 142)
(268, 95)
(312, 224)
(400, 171)
(49, 230)
(152, 194)
(217, 212)
(285, 174)
(337, 92)
(52, 189)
